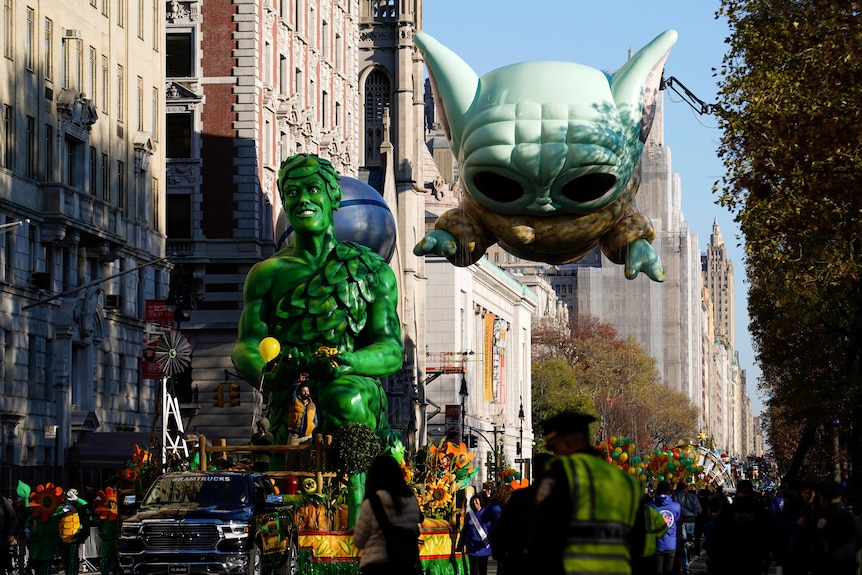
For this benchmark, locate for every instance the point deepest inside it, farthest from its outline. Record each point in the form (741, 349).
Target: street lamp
(520, 449)
(14, 224)
(463, 393)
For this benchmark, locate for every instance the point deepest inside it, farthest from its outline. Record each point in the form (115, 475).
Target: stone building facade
(82, 145)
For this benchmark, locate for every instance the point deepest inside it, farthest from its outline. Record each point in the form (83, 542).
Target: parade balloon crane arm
(688, 96)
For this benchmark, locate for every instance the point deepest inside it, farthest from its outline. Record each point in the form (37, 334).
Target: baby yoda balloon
(549, 156)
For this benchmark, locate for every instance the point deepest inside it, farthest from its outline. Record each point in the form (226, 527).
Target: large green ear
(23, 491)
(454, 84)
(636, 84)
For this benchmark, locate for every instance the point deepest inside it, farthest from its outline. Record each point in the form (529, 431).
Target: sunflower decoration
(45, 500)
(447, 471)
(461, 466)
(141, 455)
(437, 499)
(106, 504)
(439, 457)
(407, 471)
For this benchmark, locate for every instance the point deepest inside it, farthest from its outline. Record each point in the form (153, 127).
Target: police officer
(588, 515)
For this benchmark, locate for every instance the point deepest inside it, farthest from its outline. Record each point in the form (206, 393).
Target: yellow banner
(488, 344)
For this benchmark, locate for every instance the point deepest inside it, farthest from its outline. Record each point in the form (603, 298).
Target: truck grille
(180, 536)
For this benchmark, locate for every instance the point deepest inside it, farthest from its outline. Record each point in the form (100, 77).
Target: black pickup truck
(213, 523)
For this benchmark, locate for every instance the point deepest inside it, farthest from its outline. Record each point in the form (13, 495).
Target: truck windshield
(199, 491)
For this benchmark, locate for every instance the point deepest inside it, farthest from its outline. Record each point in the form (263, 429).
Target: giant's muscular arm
(252, 327)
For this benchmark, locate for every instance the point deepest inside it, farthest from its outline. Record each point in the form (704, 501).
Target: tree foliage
(791, 112)
(592, 369)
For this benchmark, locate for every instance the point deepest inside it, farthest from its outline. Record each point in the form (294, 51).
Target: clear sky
(488, 34)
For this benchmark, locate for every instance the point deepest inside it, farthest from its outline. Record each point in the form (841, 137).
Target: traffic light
(234, 395)
(218, 395)
(471, 441)
(518, 447)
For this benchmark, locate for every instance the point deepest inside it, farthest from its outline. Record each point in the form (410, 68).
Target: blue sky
(489, 34)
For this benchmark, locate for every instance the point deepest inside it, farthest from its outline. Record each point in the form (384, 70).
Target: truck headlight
(234, 530)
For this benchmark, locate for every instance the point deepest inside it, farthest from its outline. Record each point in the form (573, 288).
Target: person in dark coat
(837, 535)
(508, 543)
(740, 537)
(796, 530)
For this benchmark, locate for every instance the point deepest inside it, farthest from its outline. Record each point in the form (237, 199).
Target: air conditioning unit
(40, 280)
(71, 34)
(113, 301)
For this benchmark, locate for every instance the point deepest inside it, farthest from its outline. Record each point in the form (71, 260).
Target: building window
(121, 13)
(178, 58)
(141, 19)
(324, 110)
(92, 79)
(79, 66)
(156, 201)
(121, 184)
(105, 4)
(48, 174)
(9, 25)
(339, 48)
(324, 40)
(121, 92)
(32, 147)
(30, 39)
(384, 10)
(106, 83)
(49, 49)
(157, 19)
(154, 120)
(91, 188)
(106, 178)
(8, 154)
(179, 135)
(140, 104)
(376, 99)
(179, 207)
(74, 163)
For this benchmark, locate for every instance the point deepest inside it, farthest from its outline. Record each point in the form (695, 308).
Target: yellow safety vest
(606, 503)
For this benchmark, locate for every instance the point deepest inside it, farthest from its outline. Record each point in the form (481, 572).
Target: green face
(308, 206)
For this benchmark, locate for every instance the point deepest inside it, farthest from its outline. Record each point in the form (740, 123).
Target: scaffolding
(446, 362)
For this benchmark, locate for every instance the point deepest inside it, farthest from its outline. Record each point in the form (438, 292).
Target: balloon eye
(588, 187)
(498, 188)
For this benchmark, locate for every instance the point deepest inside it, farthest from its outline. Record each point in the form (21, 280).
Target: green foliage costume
(331, 305)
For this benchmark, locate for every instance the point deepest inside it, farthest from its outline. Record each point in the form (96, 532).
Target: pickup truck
(213, 523)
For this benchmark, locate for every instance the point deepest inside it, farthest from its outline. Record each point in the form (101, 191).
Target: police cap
(565, 423)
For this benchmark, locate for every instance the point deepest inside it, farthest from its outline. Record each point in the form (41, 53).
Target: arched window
(376, 99)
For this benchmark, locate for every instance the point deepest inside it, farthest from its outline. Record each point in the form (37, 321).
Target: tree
(791, 113)
(596, 371)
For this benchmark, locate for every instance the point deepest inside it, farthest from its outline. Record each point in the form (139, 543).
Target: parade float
(549, 153)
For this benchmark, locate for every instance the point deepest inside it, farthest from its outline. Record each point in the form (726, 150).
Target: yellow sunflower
(438, 495)
(45, 501)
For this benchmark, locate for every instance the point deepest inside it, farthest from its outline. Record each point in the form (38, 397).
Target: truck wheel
(254, 561)
(291, 559)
